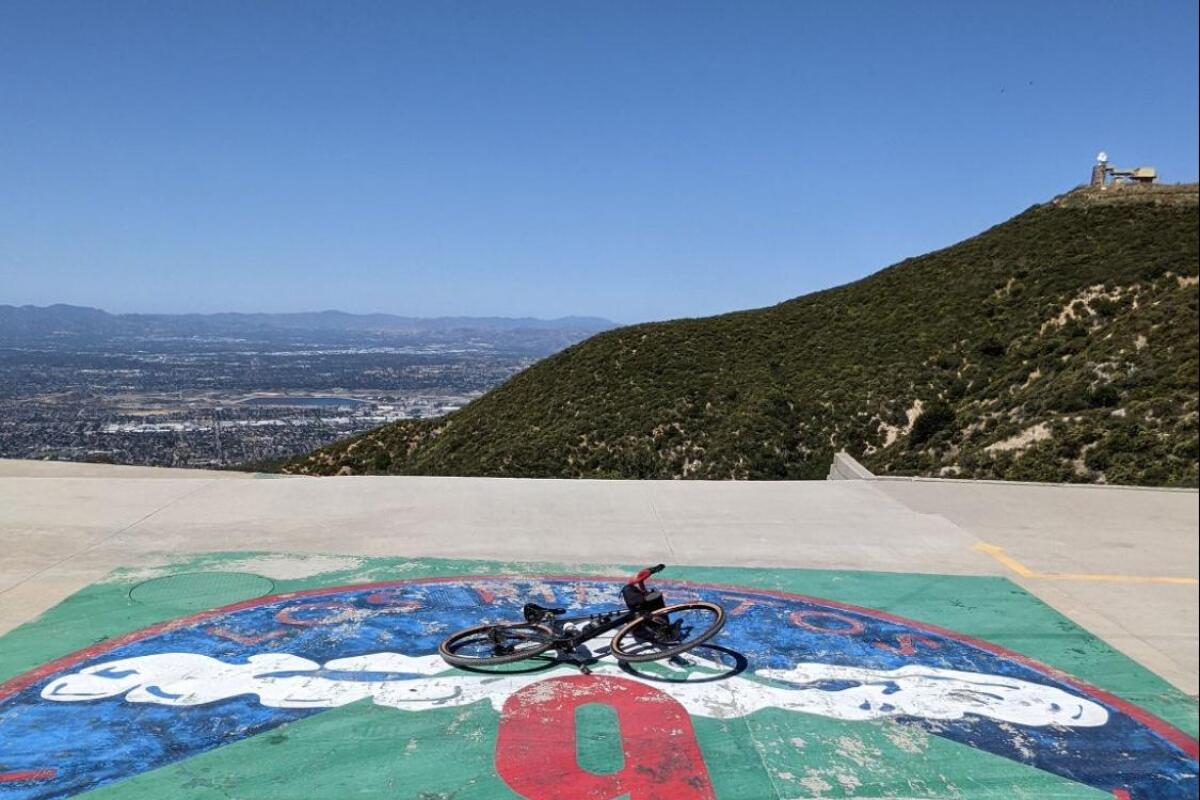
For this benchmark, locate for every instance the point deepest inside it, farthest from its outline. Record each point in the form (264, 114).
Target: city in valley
(228, 390)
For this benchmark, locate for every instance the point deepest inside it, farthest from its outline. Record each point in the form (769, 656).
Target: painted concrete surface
(1121, 562)
(26, 468)
(318, 679)
(63, 526)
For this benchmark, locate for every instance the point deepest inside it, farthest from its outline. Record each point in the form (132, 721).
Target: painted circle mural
(209, 679)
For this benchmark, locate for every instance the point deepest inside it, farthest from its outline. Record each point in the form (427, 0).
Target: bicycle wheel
(668, 632)
(484, 645)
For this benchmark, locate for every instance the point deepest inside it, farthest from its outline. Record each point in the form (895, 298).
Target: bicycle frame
(595, 625)
(646, 621)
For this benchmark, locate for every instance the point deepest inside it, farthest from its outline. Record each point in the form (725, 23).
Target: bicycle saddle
(534, 613)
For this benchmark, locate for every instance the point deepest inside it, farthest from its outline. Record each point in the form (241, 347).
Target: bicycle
(649, 630)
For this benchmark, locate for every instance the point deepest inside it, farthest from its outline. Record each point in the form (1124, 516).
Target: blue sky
(630, 160)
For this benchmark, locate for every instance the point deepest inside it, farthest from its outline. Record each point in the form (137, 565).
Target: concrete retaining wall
(845, 468)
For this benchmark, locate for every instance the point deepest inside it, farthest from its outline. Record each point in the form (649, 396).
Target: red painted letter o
(536, 750)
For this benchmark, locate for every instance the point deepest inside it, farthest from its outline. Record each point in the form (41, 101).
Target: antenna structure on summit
(1104, 176)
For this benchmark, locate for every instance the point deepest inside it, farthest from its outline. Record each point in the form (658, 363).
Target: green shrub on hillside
(1061, 345)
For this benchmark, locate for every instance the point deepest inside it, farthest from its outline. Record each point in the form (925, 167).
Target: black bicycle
(649, 630)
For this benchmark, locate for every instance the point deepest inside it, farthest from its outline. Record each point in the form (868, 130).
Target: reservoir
(284, 400)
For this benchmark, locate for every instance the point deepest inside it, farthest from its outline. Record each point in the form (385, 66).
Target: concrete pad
(1154, 624)
(28, 468)
(88, 503)
(61, 531)
(1106, 541)
(811, 524)
(1071, 528)
(85, 512)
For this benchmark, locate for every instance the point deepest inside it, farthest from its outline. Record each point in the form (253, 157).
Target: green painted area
(365, 751)
(598, 739)
(195, 591)
(359, 751)
(798, 755)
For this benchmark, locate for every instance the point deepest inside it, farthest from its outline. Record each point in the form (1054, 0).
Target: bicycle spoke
(490, 645)
(667, 633)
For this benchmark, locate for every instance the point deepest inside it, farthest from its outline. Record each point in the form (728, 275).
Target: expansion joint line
(108, 538)
(658, 519)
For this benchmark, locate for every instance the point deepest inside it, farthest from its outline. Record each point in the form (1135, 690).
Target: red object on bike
(640, 578)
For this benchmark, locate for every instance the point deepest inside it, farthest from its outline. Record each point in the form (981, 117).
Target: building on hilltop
(1104, 175)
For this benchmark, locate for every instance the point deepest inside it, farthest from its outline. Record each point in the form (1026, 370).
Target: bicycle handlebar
(646, 573)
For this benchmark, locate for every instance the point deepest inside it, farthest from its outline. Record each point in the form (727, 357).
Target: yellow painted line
(1058, 576)
(1025, 572)
(1005, 559)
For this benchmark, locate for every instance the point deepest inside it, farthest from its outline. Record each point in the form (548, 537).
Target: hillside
(1059, 346)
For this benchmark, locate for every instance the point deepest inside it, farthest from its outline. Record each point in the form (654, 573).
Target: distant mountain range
(1061, 345)
(31, 322)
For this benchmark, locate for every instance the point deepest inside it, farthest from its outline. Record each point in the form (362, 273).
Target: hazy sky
(636, 160)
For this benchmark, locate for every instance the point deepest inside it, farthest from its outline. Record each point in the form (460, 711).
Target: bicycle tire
(450, 657)
(617, 648)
